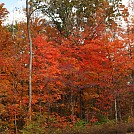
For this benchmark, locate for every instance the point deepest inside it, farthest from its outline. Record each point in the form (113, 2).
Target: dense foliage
(81, 75)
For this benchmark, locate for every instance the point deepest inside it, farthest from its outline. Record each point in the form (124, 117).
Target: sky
(15, 8)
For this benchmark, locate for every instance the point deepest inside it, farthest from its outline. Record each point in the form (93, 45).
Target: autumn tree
(128, 40)
(81, 65)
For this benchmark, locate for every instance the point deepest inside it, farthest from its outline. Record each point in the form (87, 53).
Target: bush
(81, 124)
(37, 126)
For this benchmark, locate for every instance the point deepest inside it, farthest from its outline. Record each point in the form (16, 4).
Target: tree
(71, 17)
(78, 71)
(3, 13)
(28, 14)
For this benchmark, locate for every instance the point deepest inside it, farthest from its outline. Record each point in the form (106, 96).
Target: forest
(68, 68)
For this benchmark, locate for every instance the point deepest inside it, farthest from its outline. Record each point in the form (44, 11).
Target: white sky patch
(125, 2)
(16, 12)
(16, 15)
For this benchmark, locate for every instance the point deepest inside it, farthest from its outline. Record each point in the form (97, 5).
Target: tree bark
(115, 107)
(72, 106)
(30, 60)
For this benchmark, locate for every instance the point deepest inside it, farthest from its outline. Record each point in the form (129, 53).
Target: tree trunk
(115, 108)
(81, 104)
(72, 106)
(30, 60)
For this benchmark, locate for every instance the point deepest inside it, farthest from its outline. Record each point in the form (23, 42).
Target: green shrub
(81, 124)
(35, 127)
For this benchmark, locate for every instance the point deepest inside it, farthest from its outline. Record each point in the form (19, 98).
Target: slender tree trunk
(81, 102)
(72, 106)
(49, 107)
(115, 108)
(14, 84)
(30, 60)
(15, 117)
(15, 121)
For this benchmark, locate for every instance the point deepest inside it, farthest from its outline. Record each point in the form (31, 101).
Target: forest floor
(120, 128)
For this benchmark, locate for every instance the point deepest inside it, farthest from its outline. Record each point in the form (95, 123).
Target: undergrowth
(80, 128)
